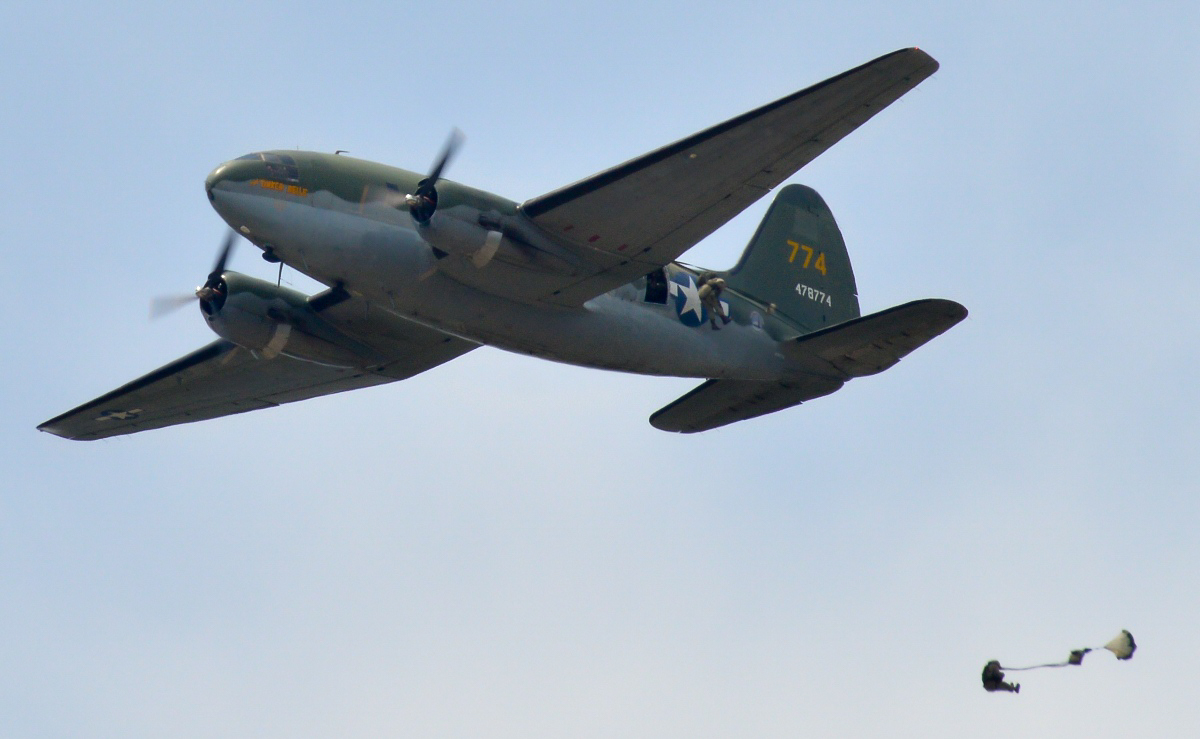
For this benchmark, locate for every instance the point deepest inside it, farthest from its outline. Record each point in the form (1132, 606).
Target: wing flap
(649, 210)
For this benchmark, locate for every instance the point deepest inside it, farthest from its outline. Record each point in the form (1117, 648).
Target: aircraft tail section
(823, 361)
(798, 261)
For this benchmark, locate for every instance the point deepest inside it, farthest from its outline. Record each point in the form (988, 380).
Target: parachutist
(710, 295)
(993, 679)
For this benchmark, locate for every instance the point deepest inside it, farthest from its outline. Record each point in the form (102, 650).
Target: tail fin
(798, 261)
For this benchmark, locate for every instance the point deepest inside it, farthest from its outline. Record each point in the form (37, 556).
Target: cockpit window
(279, 166)
(282, 167)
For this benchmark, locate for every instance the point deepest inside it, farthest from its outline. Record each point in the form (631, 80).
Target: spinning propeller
(211, 294)
(423, 203)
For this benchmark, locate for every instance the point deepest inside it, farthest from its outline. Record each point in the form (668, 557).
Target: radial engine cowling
(270, 320)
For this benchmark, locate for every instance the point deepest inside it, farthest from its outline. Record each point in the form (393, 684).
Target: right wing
(222, 379)
(622, 223)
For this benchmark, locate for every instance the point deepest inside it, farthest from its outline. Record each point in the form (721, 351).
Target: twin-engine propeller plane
(420, 270)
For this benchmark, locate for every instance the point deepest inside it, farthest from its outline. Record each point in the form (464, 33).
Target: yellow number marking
(819, 265)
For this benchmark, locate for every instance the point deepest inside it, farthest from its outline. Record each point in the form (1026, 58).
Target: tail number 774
(809, 263)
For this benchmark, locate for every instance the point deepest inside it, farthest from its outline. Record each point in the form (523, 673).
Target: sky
(504, 547)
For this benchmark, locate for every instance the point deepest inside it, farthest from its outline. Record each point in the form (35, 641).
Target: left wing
(624, 222)
(222, 379)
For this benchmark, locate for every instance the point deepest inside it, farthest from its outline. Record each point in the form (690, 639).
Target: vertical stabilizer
(798, 261)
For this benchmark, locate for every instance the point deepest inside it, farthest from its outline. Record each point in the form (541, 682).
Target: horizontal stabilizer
(827, 358)
(871, 344)
(721, 402)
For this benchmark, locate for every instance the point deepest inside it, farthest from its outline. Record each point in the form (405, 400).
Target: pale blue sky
(504, 547)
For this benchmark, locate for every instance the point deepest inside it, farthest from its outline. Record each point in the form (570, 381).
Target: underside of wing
(645, 213)
(722, 402)
(222, 379)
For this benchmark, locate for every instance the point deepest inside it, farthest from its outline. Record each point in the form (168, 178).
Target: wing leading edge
(222, 379)
(644, 213)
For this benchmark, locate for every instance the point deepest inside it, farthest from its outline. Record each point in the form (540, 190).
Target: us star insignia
(691, 300)
(128, 415)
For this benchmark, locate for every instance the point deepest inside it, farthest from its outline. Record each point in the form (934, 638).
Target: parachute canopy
(1122, 645)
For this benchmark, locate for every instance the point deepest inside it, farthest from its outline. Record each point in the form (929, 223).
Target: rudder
(798, 261)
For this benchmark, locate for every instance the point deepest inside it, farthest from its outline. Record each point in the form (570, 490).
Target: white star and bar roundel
(119, 415)
(685, 294)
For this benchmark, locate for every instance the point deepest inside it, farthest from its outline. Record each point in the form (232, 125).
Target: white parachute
(1122, 645)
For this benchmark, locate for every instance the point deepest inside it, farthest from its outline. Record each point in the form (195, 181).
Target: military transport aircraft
(420, 270)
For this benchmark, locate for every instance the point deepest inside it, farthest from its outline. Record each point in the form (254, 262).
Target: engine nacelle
(270, 320)
(452, 235)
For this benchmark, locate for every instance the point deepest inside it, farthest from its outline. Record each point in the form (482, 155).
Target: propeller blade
(219, 267)
(423, 203)
(452, 143)
(167, 304)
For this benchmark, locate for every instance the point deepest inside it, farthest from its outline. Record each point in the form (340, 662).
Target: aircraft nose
(242, 169)
(214, 178)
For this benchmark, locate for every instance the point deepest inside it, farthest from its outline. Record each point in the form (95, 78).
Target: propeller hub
(423, 203)
(211, 294)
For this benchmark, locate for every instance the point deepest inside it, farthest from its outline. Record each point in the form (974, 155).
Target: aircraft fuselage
(335, 219)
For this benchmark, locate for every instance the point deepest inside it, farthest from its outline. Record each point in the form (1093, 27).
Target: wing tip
(918, 53)
(952, 308)
(49, 427)
(657, 422)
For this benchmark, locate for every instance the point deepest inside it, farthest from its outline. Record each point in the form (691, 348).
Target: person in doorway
(711, 288)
